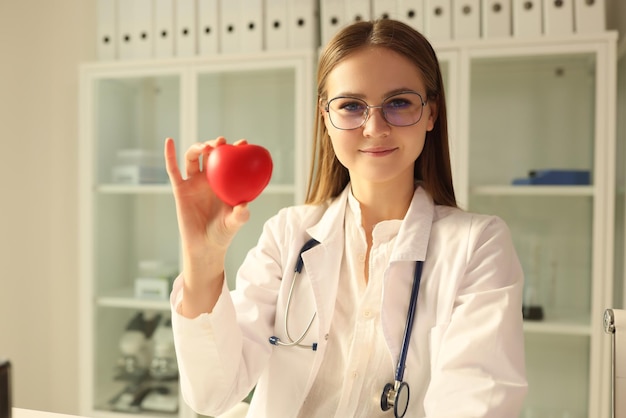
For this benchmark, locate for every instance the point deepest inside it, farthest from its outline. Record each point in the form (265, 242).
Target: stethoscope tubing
(408, 328)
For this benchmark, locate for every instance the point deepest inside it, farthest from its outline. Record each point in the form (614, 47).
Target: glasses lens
(403, 109)
(347, 112)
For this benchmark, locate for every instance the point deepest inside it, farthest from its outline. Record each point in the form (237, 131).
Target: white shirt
(358, 365)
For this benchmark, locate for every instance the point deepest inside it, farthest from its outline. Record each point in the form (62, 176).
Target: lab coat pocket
(436, 342)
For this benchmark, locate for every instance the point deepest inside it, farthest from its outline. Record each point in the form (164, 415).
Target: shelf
(125, 298)
(166, 189)
(556, 328)
(538, 190)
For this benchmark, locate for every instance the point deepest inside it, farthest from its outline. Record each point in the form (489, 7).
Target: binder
(527, 18)
(384, 9)
(466, 19)
(163, 28)
(333, 18)
(411, 12)
(186, 28)
(125, 28)
(358, 10)
(208, 27)
(251, 12)
(143, 24)
(496, 18)
(303, 24)
(558, 17)
(276, 21)
(106, 31)
(438, 19)
(230, 32)
(589, 16)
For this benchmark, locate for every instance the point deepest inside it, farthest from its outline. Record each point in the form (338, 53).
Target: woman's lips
(378, 152)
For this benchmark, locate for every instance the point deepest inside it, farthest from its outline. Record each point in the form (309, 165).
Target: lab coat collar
(412, 240)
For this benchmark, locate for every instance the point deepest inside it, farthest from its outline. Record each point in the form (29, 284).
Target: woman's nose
(375, 123)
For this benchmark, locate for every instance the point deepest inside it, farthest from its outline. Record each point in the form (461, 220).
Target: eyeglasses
(401, 109)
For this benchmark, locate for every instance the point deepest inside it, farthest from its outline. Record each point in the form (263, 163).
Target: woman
(380, 201)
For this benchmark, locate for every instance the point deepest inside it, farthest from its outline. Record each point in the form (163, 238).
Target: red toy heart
(239, 173)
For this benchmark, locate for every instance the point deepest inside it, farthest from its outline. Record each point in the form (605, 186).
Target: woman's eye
(398, 103)
(352, 107)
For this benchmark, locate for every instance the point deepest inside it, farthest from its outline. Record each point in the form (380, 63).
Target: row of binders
(144, 29)
(442, 20)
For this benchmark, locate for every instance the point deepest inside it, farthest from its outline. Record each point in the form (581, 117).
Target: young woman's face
(377, 152)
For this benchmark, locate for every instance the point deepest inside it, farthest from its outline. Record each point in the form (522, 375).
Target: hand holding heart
(206, 223)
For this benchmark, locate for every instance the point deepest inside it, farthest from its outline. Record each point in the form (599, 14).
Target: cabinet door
(266, 106)
(533, 112)
(131, 220)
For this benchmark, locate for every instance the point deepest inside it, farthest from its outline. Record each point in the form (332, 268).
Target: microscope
(148, 365)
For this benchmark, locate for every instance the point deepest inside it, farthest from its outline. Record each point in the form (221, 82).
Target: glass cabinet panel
(531, 161)
(133, 117)
(259, 106)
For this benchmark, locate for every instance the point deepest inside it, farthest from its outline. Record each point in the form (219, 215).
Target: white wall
(41, 44)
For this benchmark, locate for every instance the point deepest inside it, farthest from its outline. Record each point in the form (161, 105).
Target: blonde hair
(328, 177)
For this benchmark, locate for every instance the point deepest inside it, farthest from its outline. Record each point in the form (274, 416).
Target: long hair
(328, 177)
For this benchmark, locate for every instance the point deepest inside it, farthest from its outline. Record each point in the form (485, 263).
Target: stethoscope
(394, 394)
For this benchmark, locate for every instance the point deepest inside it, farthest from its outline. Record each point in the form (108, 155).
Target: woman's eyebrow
(387, 94)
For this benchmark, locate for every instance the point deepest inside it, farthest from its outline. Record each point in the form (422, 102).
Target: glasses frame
(367, 112)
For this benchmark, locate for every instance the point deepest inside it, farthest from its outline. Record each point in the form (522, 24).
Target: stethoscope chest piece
(396, 396)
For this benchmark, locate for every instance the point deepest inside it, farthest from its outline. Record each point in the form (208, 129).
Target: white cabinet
(547, 104)
(514, 106)
(128, 224)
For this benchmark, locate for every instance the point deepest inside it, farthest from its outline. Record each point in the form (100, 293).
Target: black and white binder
(412, 12)
(496, 18)
(527, 18)
(438, 20)
(276, 24)
(163, 28)
(590, 16)
(186, 28)
(466, 19)
(106, 30)
(558, 16)
(208, 27)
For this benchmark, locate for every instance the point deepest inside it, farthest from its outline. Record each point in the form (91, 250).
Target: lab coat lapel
(323, 262)
(411, 246)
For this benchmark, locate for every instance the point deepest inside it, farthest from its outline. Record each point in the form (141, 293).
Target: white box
(152, 288)
(208, 27)
(231, 27)
(163, 28)
(590, 16)
(358, 10)
(466, 19)
(496, 18)
(558, 17)
(411, 12)
(384, 9)
(276, 24)
(252, 25)
(333, 18)
(143, 23)
(438, 20)
(527, 18)
(303, 24)
(186, 28)
(107, 36)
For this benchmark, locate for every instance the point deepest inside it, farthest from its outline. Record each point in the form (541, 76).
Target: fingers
(200, 152)
(171, 164)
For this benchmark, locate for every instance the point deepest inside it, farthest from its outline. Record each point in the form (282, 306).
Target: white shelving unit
(532, 104)
(514, 105)
(265, 98)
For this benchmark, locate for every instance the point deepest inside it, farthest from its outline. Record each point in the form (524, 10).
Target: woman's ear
(321, 108)
(432, 114)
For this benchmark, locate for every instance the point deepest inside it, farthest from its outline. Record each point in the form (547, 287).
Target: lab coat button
(362, 258)
(326, 337)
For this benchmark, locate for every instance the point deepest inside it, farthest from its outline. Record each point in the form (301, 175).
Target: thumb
(238, 217)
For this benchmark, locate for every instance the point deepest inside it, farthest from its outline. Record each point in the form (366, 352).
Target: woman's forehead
(374, 71)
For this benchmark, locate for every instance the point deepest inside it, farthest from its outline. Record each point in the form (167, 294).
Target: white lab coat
(466, 356)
